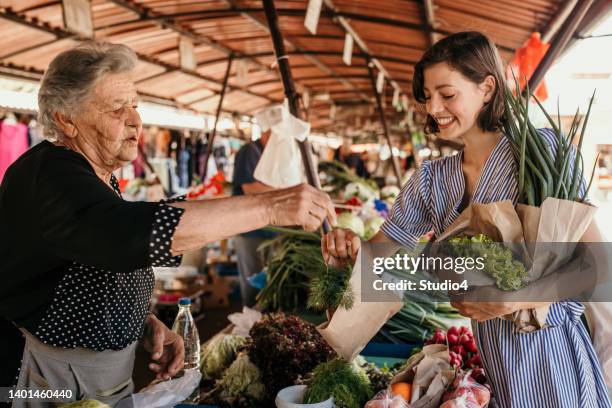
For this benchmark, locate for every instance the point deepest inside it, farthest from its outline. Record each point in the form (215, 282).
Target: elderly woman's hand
(301, 205)
(166, 348)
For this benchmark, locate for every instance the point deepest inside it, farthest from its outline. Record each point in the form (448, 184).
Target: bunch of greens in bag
(542, 174)
(499, 262)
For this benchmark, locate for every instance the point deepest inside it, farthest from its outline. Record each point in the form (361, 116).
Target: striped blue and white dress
(549, 368)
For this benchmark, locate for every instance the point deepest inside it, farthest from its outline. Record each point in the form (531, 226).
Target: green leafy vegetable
(509, 273)
(348, 384)
(218, 354)
(285, 348)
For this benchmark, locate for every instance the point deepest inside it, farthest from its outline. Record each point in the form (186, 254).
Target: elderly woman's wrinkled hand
(302, 205)
(166, 348)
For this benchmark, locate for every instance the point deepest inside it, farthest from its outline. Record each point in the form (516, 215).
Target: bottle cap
(184, 301)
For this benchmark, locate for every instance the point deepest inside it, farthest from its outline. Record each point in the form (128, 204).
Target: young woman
(460, 81)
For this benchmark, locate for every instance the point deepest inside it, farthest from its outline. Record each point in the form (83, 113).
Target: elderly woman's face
(109, 123)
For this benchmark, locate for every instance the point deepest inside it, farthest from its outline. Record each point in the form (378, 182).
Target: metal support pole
(292, 96)
(563, 36)
(383, 122)
(211, 139)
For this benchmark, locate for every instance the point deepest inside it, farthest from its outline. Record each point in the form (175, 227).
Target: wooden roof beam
(168, 22)
(343, 22)
(10, 15)
(311, 58)
(430, 19)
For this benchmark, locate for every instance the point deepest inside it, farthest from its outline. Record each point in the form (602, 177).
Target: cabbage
(350, 221)
(389, 192)
(359, 190)
(86, 404)
(218, 354)
(372, 225)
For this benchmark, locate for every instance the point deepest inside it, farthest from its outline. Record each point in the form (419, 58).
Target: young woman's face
(453, 100)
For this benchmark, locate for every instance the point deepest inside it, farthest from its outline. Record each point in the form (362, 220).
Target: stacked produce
(417, 321)
(465, 392)
(285, 348)
(462, 350)
(336, 178)
(218, 354)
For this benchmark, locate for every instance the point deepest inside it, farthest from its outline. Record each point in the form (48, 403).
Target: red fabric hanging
(526, 60)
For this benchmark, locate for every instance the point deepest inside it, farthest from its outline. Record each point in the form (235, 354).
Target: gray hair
(71, 76)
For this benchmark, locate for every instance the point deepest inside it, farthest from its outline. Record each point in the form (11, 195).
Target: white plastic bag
(244, 321)
(280, 164)
(165, 394)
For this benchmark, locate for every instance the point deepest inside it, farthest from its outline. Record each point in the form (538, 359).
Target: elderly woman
(76, 258)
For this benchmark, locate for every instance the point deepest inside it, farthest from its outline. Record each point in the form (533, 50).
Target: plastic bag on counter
(164, 394)
(465, 385)
(244, 321)
(385, 399)
(430, 373)
(463, 401)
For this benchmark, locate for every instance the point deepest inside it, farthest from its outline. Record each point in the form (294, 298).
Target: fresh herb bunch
(330, 289)
(297, 258)
(285, 348)
(543, 174)
(349, 385)
(499, 263)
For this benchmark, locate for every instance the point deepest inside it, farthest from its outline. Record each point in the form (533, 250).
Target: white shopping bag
(281, 164)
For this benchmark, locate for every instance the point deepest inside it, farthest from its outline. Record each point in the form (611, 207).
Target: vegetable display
(297, 258)
(285, 348)
(348, 220)
(348, 384)
(462, 347)
(218, 354)
(335, 176)
(240, 386)
(508, 273)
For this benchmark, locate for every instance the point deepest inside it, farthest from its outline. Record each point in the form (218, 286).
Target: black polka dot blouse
(98, 309)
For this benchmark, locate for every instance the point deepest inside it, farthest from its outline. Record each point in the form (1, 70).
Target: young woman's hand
(340, 247)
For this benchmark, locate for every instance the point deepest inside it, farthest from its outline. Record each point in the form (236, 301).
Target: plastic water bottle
(184, 326)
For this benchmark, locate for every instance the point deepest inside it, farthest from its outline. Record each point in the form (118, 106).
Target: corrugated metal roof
(395, 31)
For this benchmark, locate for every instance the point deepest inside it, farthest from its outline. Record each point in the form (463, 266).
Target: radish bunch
(462, 349)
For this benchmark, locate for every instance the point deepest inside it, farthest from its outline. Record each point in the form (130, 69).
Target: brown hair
(474, 55)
